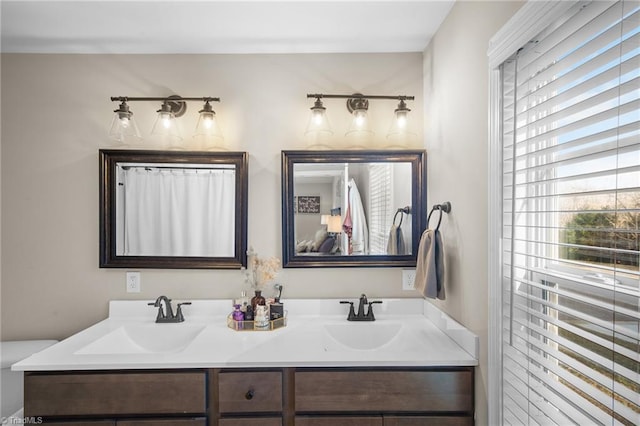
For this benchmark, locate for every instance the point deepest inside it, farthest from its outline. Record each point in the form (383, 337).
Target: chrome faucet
(168, 317)
(361, 316)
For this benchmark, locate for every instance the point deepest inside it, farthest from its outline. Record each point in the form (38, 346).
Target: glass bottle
(237, 313)
(257, 300)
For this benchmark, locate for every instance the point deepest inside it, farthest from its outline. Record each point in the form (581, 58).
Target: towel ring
(444, 207)
(402, 211)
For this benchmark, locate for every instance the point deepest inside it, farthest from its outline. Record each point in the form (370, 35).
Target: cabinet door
(250, 391)
(380, 391)
(267, 421)
(114, 394)
(337, 420)
(428, 421)
(81, 423)
(163, 422)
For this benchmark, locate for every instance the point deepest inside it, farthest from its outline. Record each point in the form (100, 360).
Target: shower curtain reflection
(176, 211)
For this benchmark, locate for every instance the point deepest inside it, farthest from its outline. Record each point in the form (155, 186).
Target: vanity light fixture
(208, 130)
(358, 106)
(123, 126)
(318, 120)
(359, 128)
(124, 129)
(165, 125)
(399, 129)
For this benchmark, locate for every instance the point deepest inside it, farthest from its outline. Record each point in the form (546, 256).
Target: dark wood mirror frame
(107, 163)
(417, 159)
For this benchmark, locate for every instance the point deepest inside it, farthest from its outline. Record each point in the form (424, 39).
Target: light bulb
(402, 120)
(360, 118)
(317, 118)
(208, 122)
(166, 121)
(124, 122)
(318, 127)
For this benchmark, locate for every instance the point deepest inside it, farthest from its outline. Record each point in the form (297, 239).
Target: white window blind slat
(624, 135)
(571, 220)
(380, 209)
(567, 29)
(564, 375)
(546, 396)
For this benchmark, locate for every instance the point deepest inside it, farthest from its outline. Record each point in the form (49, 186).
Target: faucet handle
(179, 315)
(370, 311)
(352, 312)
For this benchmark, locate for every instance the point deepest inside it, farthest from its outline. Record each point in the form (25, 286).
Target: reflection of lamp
(334, 224)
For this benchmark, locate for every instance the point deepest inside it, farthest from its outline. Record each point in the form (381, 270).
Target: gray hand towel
(392, 242)
(430, 265)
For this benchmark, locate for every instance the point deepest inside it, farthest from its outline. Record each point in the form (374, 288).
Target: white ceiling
(216, 26)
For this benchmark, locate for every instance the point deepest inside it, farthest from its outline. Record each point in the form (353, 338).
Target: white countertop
(417, 333)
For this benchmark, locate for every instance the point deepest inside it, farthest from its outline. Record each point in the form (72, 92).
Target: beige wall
(56, 113)
(456, 134)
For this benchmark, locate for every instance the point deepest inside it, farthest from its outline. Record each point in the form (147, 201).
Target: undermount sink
(144, 339)
(362, 335)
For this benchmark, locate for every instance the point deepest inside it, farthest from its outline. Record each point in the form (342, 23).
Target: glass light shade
(123, 127)
(359, 131)
(399, 133)
(318, 131)
(166, 126)
(208, 133)
(318, 120)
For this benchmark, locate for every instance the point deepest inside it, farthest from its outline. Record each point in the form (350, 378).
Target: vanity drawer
(384, 391)
(250, 391)
(428, 421)
(116, 394)
(264, 421)
(163, 422)
(336, 420)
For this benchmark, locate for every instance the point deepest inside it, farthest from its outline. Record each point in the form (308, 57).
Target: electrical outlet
(133, 282)
(408, 279)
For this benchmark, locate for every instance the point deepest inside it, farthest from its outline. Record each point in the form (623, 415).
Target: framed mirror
(352, 208)
(173, 209)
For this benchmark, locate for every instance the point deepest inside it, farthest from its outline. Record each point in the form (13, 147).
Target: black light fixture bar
(361, 96)
(167, 99)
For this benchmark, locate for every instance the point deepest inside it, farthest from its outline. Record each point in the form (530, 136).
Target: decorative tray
(251, 325)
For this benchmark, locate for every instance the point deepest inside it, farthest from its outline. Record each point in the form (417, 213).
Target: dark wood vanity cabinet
(254, 397)
(384, 397)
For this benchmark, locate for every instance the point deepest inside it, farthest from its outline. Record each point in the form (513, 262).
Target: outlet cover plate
(133, 282)
(408, 279)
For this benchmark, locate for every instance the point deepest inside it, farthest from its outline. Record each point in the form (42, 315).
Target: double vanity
(412, 366)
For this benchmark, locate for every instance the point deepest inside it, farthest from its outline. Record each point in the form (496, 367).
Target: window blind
(571, 221)
(380, 209)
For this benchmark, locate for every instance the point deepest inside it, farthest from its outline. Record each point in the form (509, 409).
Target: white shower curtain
(179, 212)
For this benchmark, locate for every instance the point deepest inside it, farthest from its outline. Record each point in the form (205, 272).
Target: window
(570, 285)
(380, 209)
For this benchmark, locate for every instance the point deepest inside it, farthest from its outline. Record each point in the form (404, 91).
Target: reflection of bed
(324, 243)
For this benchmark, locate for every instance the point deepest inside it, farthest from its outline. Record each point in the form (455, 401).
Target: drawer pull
(249, 395)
